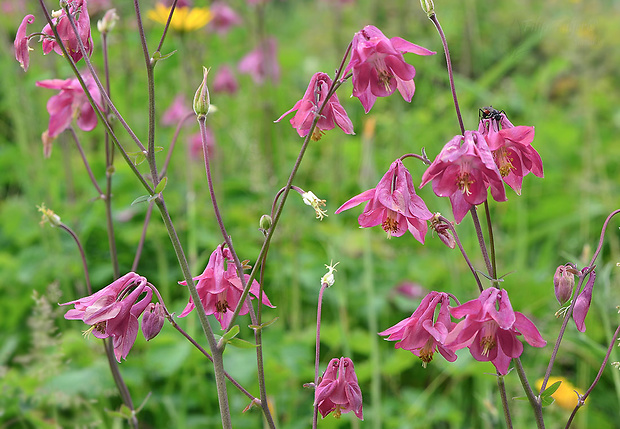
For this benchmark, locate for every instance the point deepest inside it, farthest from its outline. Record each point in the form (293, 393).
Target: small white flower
(329, 277)
(313, 201)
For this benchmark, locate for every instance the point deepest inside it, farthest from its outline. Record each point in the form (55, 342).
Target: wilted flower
(113, 311)
(393, 204)
(308, 110)
(225, 81)
(582, 303)
(220, 288)
(262, 62)
(69, 103)
(339, 390)
(463, 171)
(443, 231)
(22, 50)
(79, 13)
(317, 204)
(423, 334)
(563, 283)
(511, 148)
(224, 17)
(379, 67)
(184, 19)
(490, 329)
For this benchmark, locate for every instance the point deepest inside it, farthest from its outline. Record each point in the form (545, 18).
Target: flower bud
(107, 23)
(201, 98)
(265, 223)
(428, 6)
(153, 320)
(563, 282)
(329, 277)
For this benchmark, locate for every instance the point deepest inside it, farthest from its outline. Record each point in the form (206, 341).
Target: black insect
(490, 113)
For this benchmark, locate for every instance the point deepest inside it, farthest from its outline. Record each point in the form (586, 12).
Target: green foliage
(548, 64)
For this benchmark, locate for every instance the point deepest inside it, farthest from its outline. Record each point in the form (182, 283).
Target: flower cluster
(220, 289)
(489, 329)
(114, 312)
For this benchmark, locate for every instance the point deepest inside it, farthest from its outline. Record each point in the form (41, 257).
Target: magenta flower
(511, 148)
(153, 320)
(463, 171)
(308, 109)
(224, 17)
(393, 204)
(421, 333)
(113, 311)
(379, 68)
(490, 329)
(339, 390)
(220, 288)
(69, 103)
(22, 50)
(262, 63)
(225, 81)
(79, 12)
(582, 303)
(563, 283)
(179, 110)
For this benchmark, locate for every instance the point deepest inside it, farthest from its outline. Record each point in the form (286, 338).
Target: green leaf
(141, 199)
(551, 389)
(263, 325)
(161, 185)
(232, 333)
(242, 344)
(546, 401)
(124, 412)
(158, 56)
(520, 398)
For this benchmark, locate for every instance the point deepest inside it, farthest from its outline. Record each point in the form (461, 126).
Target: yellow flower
(565, 396)
(184, 18)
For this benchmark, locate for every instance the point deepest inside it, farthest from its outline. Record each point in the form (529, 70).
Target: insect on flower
(489, 112)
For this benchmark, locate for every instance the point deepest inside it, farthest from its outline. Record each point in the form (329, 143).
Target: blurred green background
(551, 64)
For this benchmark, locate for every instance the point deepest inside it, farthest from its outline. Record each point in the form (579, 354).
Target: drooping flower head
(262, 62)
(511, 147)
(114, 311)
(378, 66)
(220, 288)
(339, 390)
(393, 204)
(490, 329)
(71, 102)
(463, 171)
(22, 50)
(79, 12)
(422, 333)
(308, 109)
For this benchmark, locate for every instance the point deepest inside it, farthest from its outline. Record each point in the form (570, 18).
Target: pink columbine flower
(339, 390)
(79, 12)
(582, 303)
(463, 171)
(511, 148)
(379, 68)
(262, 63)
(423, 334)
(490, 329)
(224, 17)
(393, 204)
(113, 311)
(22, 50)
(220, 288)
(179, 110)
(308, 109)
(225, 81)
(69, 103)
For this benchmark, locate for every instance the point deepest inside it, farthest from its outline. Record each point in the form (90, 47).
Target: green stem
(502, 394)
(534, 400)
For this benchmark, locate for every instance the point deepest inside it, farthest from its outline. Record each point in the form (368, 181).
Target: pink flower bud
(563, 282)
(153, 320)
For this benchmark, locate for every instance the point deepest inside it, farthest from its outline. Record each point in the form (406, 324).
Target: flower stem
(458, 242)
(502, 394)
(86, 164)
(534, 401)
(491, 241)
(315, 415)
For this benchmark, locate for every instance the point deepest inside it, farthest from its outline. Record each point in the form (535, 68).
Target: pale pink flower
(220, 288)
(511, 148)
(463, 171)
(224, 17)
(179, 110)
(582, 303)
(422, 333)
(113, 311)
(393, 204)
(225, 81)
(79, 12)
(22, 50)
(262, 62)
(339, 390)
(490, 329)
(379, 68)
(308, 109)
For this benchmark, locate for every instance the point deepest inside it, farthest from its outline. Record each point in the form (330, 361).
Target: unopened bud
(329, 277)
(265, 223)
(563, 282)
(107, 23)
(153, 320)
(49, 216)
(428, 6)
(201, 98)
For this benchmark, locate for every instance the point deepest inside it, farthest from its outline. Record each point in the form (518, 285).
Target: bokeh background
(551, 64)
